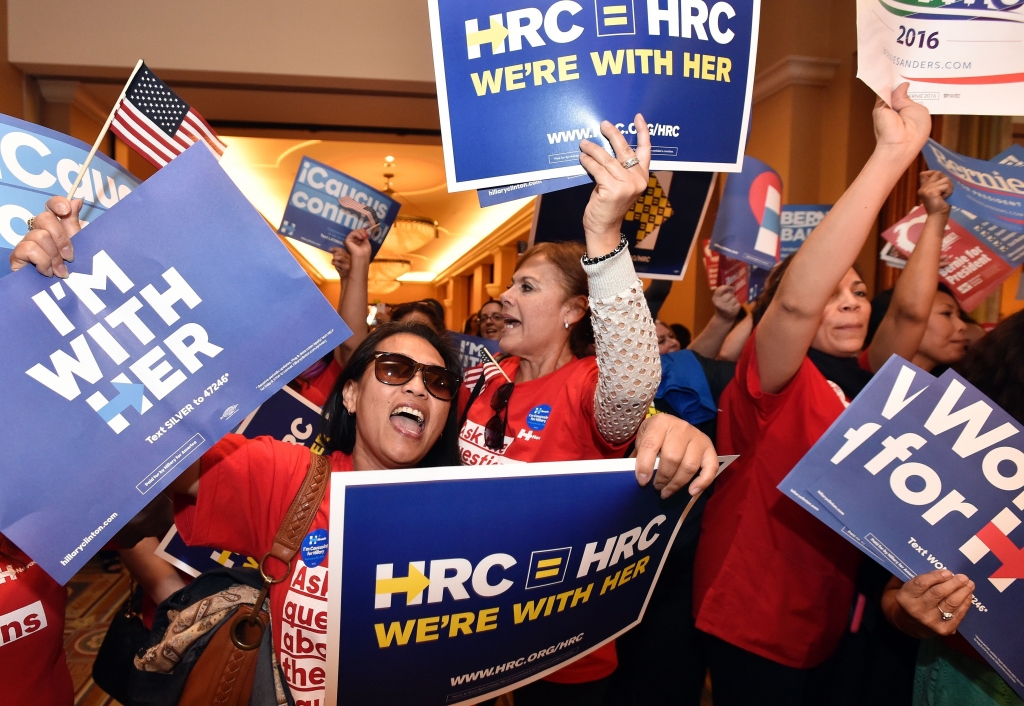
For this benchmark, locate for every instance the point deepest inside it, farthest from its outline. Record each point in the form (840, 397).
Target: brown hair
(566, 258)
(400, 311)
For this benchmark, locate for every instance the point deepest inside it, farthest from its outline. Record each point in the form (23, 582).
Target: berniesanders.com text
(584, 133)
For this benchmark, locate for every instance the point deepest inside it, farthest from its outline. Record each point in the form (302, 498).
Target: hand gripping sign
(518, 87)
(468, 582)
(181, 314)
(960, 56)
(926, 473)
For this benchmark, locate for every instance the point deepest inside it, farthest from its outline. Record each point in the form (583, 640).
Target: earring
(566, 324)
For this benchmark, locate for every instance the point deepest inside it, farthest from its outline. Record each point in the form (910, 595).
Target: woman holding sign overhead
(773, 587)
(553, 400)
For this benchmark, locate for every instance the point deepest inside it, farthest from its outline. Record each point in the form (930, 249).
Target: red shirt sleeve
(245, 489)
(864, 360)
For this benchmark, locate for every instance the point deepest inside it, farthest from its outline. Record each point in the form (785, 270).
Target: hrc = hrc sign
(614, 17)
(548, 567)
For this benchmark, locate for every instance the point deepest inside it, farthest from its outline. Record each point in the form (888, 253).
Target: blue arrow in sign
(129, 395)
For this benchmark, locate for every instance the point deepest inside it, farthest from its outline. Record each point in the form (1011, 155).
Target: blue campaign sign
(661, 228)
(519, 87)
(928, 472)
(796, 223)
(503, 194)
(471, 349)
(286, 416)
(39, 163)
(749, 216)
(991, 194)
(178, 318)
(469, 582)
(1012, 155)
(315, 217)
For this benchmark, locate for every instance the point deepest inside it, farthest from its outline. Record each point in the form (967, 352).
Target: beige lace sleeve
(629, 367)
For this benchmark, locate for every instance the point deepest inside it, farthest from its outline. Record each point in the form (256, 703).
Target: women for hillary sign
(519, 86)
(315, 213)
(182, 313)
(452, 585)
(37, 163)
(927, 473)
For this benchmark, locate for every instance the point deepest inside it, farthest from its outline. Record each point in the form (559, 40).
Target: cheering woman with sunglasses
(553, 400)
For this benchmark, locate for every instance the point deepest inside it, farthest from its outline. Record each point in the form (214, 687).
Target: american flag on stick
(349, 203)
(490, 370)
(157, 123)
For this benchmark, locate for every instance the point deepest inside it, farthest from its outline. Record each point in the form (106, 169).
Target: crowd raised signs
(926, 473)
(796, 223)
(39, 163)
(519, 87)
(661, 228)
(181, 315)
(471, 349)
(470, 581)
(314, 215)
(960, 56)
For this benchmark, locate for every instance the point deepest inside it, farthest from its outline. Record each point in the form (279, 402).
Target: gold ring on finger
(945, 616)
(631, 162)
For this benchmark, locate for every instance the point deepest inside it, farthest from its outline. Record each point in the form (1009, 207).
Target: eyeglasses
(494, 432)
(496, 318)
(398, 369)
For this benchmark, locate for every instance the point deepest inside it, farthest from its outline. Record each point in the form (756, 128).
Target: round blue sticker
(537, 419)
(314, 548)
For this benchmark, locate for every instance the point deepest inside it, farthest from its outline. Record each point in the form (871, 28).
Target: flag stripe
(141, 135)
(188, 128)
(200, 122)
(140, 147)
(147, 127)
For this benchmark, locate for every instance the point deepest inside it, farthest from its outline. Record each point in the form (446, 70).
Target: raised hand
(617, 187)
(936, 187)
(341, 261)
(358, 245)
(727, 306)
(47, 246)
(904, 127)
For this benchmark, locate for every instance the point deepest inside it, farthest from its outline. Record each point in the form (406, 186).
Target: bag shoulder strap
(472, 398)
(302, 511)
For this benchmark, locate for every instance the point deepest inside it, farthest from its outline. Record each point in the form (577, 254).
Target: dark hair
(489, 301)
(682, 334)
(338, 426)
(995, 365)
(422, 307)
(566, 256)
(880, 306)
(771, 286)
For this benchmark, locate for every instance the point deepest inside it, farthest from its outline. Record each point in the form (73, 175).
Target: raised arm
(727, 307)
(623, 326)
(906, 320)
(353, 304)
(792, 319)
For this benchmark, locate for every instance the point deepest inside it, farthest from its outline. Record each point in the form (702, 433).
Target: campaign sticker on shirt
(537, 419)
(314, 548)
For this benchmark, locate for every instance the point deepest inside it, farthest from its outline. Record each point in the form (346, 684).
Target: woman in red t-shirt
(33, 667)
(772, 586)
(391, 408)
(553, 400)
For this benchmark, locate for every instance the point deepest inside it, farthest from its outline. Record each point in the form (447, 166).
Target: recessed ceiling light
(389, 158)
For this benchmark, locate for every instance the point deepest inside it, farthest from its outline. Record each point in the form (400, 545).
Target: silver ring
(945, 616)
(29, 221)
(631, 162)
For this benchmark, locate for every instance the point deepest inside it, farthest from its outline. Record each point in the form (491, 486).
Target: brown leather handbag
(223, 674)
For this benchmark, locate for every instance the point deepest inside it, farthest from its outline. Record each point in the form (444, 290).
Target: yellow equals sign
(544, 564)
(615, 10)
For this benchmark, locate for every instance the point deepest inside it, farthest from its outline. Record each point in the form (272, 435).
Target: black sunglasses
(494, 432)
(398, 369)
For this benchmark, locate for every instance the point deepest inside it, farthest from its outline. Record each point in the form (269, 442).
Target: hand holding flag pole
(103, 132)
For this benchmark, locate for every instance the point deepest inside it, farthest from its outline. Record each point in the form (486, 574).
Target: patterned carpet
(93, 598)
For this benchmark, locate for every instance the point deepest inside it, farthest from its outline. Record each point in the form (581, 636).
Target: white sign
(961, 57)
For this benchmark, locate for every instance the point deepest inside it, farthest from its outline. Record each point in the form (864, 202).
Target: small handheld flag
(157, 123)
(349, 203)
